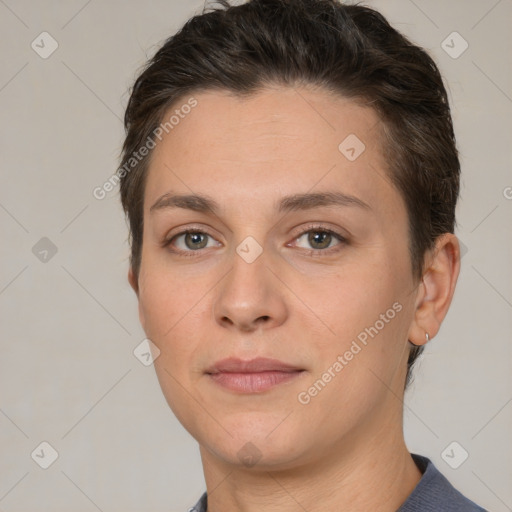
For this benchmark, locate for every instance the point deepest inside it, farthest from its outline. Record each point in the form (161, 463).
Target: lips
(253, 376)
(260, 364)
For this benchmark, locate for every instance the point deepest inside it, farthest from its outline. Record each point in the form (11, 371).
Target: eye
(319, 239)
(315, 239)
(188, 241)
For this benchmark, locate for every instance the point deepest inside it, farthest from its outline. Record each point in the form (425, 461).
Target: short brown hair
(350, 50)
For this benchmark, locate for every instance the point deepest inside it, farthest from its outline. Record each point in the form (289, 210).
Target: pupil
(195, 240)
(321, 239)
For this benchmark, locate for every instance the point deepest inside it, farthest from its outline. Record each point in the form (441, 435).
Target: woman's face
(273, 269)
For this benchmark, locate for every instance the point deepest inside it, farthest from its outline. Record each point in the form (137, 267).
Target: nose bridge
(249, 295)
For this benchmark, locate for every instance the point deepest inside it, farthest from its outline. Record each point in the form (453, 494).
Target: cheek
(164, 296)
(352, 298)
(356, 372)
(171, 312)
(166, 311)
(367, 311)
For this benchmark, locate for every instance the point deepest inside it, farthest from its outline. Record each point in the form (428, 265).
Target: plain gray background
(69, 323)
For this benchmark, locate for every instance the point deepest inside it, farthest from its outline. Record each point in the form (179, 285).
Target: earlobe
(436, 290)
(134, 283)
(132, 279)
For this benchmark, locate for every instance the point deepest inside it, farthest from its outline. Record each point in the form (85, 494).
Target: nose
(250, 297)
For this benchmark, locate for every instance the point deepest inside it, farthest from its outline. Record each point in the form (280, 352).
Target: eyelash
(311, 228)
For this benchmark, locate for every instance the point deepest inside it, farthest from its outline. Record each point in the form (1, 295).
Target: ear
(134, 283)
(132, 279)
(436, 290)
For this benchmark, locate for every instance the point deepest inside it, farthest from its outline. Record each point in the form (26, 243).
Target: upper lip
(260, 364)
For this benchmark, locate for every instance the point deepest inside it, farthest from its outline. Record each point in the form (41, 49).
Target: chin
(256, 455)
(251, 441)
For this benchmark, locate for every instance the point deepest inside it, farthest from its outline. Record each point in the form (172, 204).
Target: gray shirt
(432, 494)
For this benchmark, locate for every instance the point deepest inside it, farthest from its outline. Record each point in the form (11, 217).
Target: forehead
(279, 139)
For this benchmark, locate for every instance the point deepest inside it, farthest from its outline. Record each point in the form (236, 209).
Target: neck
(370, 470)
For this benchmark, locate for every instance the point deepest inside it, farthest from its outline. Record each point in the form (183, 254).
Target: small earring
(427, 337)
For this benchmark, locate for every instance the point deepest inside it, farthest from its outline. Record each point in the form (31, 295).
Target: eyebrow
(295, 202)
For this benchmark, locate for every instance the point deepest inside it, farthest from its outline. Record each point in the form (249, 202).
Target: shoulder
(200, 506)
(434, 493)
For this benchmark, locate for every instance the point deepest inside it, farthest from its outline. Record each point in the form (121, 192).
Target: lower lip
(253, 382)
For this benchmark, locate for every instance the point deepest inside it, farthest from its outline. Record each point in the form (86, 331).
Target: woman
(290, 177)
